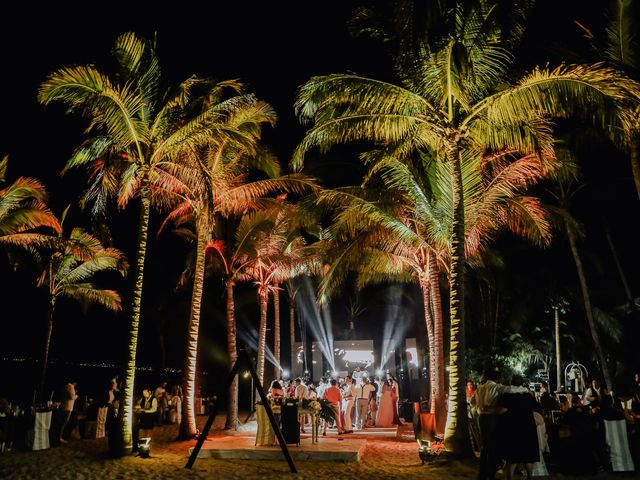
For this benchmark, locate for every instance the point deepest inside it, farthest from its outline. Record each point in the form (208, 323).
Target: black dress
(517, 432)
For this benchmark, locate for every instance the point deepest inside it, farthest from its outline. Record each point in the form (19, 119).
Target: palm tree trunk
(276, 329)
(125, 411)
(635, 163)
(556, 316)
(456, 434)
(232, 408)
(188, 427)
(428, 319)
(614, 254)
(263, 297)
(438, 333)
(45, 353)
(588, 307)
(292, 330)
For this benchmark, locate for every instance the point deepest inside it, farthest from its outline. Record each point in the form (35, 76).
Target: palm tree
(233, 242)
(404, 225)
(280, 254)
(617, 45)
(23, 212)
(67, 272)
(136, 130)
(216, 176)
(456, 101)
(220, 187)
(566, 188)
(292, 292)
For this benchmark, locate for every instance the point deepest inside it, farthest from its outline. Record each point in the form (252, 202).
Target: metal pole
(558, 359)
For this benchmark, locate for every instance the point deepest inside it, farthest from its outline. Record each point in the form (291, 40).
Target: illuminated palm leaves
(136, 130)
(23, 212)
(456, 102)
(68, 271)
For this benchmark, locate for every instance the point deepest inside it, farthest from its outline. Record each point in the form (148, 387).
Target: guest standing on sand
(146, 412)
(487, 395)
(517, 428)
(334, 397)
(69, 398)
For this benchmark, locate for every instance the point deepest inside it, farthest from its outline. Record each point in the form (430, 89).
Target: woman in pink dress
(385, 409)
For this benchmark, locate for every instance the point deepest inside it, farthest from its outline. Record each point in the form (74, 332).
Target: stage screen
(349, 354)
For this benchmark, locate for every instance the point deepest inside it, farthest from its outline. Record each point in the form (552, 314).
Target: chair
(616, 438)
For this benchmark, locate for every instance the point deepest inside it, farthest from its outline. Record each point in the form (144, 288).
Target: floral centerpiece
(320, 406)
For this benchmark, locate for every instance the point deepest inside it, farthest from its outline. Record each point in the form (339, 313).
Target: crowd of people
(357, 401)
(513, 426)
(75, 413)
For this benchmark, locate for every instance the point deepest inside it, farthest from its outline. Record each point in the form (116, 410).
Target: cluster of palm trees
(452, 151)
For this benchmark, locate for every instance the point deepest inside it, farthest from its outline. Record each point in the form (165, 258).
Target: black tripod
(244, 361)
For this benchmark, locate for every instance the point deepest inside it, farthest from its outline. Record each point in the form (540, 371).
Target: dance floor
(333, 447)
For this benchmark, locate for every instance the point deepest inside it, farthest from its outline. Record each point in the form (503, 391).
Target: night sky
(273, 47)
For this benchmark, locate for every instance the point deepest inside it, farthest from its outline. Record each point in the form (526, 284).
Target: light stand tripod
(244, 361)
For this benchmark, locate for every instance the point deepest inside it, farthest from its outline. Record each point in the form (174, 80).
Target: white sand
(88, 460)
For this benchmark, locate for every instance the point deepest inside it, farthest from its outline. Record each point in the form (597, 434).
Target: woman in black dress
(518, 436)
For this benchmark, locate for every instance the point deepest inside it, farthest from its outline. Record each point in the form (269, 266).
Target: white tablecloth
(616, 437)
(38, 436)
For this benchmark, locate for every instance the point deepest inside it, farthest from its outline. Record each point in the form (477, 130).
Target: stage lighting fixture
(144, 447)
(424, 450)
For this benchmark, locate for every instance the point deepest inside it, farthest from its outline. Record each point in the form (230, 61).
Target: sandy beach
(83, 459)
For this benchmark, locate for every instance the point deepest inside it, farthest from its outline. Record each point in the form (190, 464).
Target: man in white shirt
(593, 394)
(363, 396)
(299, 393)
(357, 376)
(349, 396)
(300, 389)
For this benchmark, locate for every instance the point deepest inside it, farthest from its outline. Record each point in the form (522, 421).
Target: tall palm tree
(280, 254)
(220, 186)
(566, 187)
(23, 211)
(136, 131)
(456, 100)
(292, 292)
(67, 272)
(216, 175)
(405, 226)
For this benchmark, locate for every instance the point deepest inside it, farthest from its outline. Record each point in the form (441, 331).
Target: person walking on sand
(517, 429)
(69, 397)
(487, 395)
(349, 390)
(334, 397)
(364, 395)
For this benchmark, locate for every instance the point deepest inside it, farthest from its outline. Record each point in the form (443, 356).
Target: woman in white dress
(385, 408)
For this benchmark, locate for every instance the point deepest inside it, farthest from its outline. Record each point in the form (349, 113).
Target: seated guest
(275, 391)
(275, 396)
